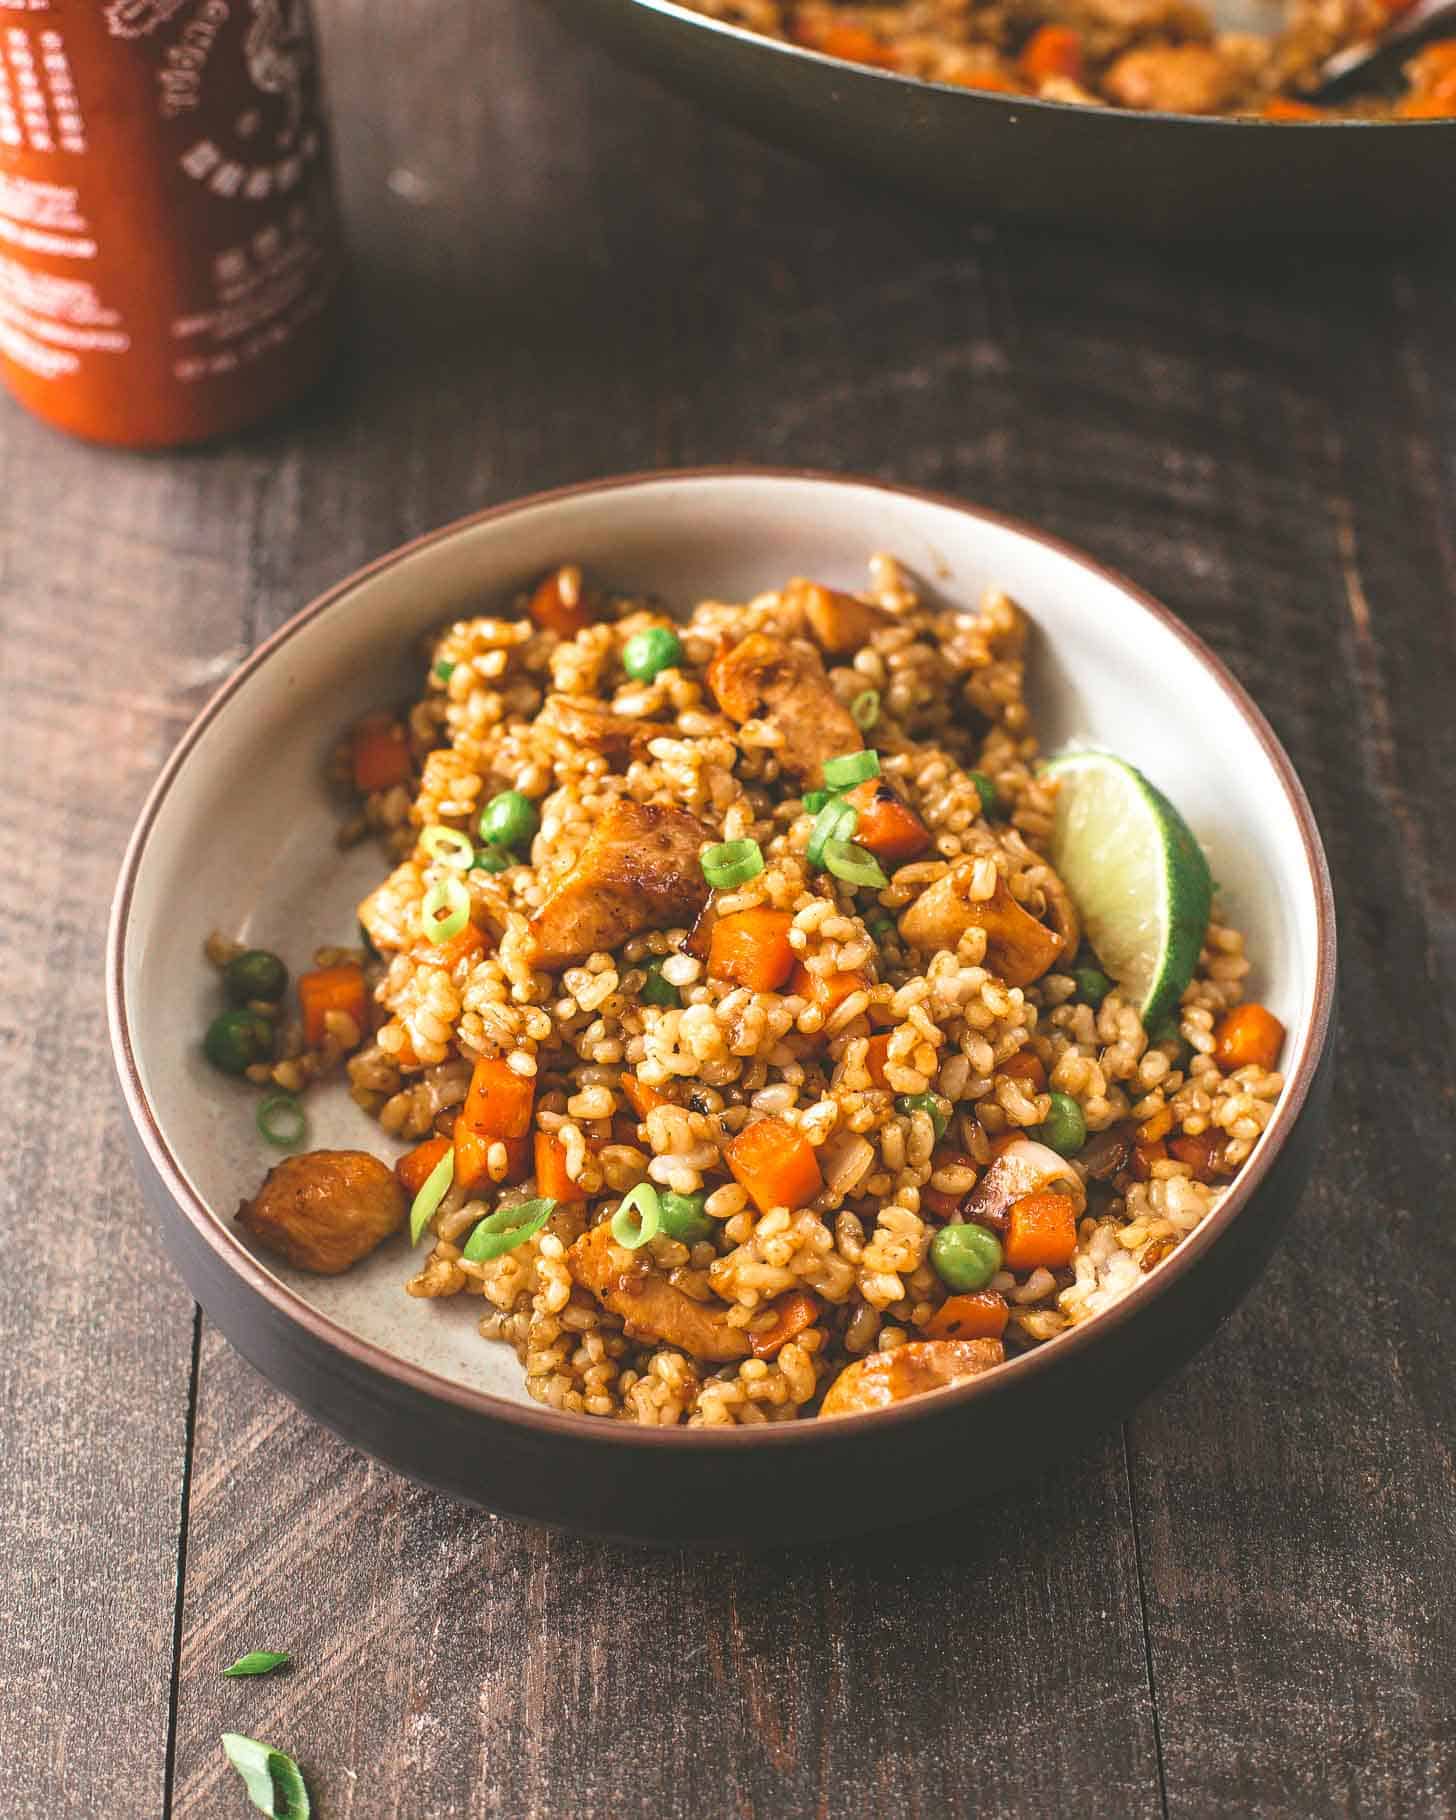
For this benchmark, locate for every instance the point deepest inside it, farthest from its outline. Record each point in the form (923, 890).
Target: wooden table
(1239, 1605)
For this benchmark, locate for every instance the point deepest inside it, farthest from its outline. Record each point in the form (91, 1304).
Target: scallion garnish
(835, 821)
(432, 1192)
(273, 1780)
(731, 862)
(257, 1662)
(281, 1120)
(656, 990)
(856, 865)
(851, 768)
(639, 1218)
(507, 1228)
(449, 846)
(864, 710)
(814, 800)
(447, 895)
(444, 669)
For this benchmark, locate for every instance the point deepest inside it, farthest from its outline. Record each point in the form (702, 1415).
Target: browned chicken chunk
(907, 1371)
(1172, 79)
(638, 870)
(325, 1210)
(652, 1308)
(593, 724)
(841, 624)
(782, 681)
(1018, 948)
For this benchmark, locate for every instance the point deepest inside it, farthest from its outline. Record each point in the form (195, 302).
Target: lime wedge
(1135, 873)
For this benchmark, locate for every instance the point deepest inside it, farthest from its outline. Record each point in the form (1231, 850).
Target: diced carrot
(1158, 1125)
(851, 42)
(465, 944)
(1433, 63)
(1144, 1156)
(1247, 1036)
(1285, 107)
(775, 1163)
(981, 1316)
(1041, 1232)
(1052, 50)
(826, 990)
(1200, 1153)
(875, 1058)
(329, 989)
(1428, 106)
(562, 603)
(890, 828)
(792, 1314)
(751, 948)
(552, 1181)
(993, 80)
(1026, 1065)
(497, 1108)
(379, 754)
(415, 1166)
(640, 1097)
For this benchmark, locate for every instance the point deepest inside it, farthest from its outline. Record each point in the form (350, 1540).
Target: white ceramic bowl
(238, 835)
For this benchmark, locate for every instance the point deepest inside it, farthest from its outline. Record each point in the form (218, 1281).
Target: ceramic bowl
(1090, 169)
(238, 835)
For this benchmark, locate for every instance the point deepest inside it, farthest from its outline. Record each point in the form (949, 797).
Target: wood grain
(1239, 1607)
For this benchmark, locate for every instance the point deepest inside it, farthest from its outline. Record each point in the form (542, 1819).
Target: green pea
(911, 1103)
(444, 669)
(254, 974)
(509, 820)
(237, 1039)
(1093, 985)
(492, 859)
(990, 796)
(880, 926)
(965, 1257)
(645, 653)
(1065, 1128)
(683, 1218)
(656, 990)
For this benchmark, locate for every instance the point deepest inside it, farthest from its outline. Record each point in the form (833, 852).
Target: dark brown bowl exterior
(799, 1482)
(1090, 169)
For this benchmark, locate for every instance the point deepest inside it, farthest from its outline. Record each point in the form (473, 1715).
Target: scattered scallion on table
(273, 1780)
(257, 1662)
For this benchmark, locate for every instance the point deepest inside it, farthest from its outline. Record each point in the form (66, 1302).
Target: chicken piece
(889, 1377)
(1023, 1167)
(325, 1210)
(782, 681)
(653, 1309)
(594, 725)
(638, 870)
(841, 624)
(1019, 949)
(1172, 79)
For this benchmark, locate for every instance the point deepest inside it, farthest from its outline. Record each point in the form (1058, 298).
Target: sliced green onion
(644, 1202)
(731, 862)
(656, 990)
(507, 1228)
(273, 1780)
(851, 768)
(493, 859)
(281, 1120)
(856, 865)
(449, 846)
(449, 895)
(814, 800)
(990, 796)
(257, 1662)
(864, 710)
(444, 669)
(431, 1193)
(837, 820)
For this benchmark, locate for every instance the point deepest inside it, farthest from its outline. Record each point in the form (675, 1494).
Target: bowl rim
(421, 1381)
(741, 34)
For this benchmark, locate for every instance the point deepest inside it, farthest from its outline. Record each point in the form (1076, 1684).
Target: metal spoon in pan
(1357, 67)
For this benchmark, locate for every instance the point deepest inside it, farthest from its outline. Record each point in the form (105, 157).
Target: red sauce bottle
(170, 261)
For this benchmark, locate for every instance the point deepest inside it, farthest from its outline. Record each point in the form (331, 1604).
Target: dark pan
(1094, 169)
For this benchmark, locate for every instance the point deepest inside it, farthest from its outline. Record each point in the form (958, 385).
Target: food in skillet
(1147, 54)
(773, 1032)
